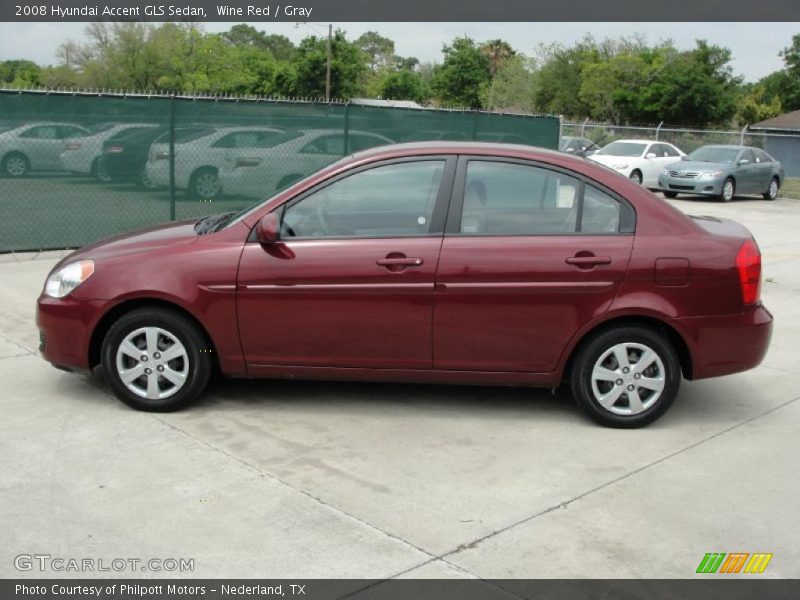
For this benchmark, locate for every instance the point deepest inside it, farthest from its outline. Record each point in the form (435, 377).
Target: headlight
(711, 175)
(665, 171)
(67, 278)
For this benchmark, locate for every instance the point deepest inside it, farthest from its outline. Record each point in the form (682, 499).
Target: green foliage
(754, 106)
(347, 66)
(512, 87)
(463, 74)
(20, 74)
(620, 81)
(403, 85)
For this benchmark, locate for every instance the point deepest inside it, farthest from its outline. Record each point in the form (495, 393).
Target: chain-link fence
(78, 167)
(784, 147)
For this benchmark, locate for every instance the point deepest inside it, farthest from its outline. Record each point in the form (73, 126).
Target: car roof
(456, 147)
(727, 146)
(639, 141)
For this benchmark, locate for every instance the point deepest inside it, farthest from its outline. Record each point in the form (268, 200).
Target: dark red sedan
(428, 262)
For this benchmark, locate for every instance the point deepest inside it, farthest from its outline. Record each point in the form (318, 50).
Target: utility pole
(328, 65)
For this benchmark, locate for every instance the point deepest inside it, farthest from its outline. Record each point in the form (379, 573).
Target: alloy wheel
(207, 185)
(152, 363)
(628, 379)
(727, 190)
(16, 166)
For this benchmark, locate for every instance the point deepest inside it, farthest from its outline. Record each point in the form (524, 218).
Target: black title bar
(400, 10)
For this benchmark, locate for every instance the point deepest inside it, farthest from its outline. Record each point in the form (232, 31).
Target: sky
(755, 46)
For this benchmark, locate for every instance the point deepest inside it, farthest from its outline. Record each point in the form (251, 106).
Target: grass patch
(791, 188)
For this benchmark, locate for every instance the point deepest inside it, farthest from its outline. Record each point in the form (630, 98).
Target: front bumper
(725, 345)
(65, 326)
(685, 185)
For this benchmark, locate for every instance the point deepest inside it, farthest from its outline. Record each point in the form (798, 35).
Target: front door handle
(405, 261)
(588, 261)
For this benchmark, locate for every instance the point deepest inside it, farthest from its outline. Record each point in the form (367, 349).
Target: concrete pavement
(298, 479)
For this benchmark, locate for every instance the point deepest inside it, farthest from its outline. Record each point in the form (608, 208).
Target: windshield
(623, 149)
(713, 154)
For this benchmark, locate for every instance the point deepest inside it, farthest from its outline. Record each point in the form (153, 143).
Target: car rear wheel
(728, 190)
(773, 189)
(626, 377)
(636, 176)
(16, 165)
(204, 184)
(156, 359)
(671, 194)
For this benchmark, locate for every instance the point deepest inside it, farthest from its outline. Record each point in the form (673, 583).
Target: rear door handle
(588, 261)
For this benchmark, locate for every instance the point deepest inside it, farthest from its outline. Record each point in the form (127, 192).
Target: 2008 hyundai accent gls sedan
(430, 262)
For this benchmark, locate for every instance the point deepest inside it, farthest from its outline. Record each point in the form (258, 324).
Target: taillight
(748, 263)
(114, 149)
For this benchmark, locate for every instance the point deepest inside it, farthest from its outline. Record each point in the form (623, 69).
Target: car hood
(698, 166)
(159, 236)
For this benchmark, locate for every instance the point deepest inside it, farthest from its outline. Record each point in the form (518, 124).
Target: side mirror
(267, 229)
(744, 161)
(684, 157)
(650, 155)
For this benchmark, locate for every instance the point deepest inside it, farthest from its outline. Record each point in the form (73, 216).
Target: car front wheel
(636, 176)
(728, 190)
(626, 377)
(156, 359)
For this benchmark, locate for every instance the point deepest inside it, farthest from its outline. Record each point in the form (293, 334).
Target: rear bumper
(725, 345)
(65, 326)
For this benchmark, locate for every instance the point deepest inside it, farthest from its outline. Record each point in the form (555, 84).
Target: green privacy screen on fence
(77, 168)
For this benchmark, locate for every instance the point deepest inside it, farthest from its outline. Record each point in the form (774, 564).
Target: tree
(403, 85)
(753, 106)
(463, 75)
(512, 86)
(378, 50)
(347, 67)
(784, 85)
(497, 51)
(20, 74)
(558, 77)
(279, 46)
(694, 88)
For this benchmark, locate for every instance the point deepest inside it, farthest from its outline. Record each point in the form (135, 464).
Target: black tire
(198, 353)
(200, 184)
(599, 345)
(16, 165)
(773, 190)
(671, 195)
(636, 176)
(724, 195)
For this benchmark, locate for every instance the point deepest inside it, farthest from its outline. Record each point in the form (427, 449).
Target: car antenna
(593, 144)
